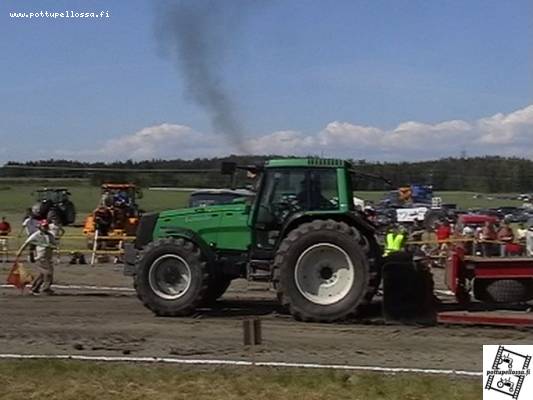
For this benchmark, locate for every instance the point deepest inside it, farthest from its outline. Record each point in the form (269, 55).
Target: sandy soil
(100, 322)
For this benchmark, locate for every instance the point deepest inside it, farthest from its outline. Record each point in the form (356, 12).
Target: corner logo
(506, 372)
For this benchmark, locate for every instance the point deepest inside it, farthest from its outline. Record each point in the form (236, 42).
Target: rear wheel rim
(169, 277)
(324, 274)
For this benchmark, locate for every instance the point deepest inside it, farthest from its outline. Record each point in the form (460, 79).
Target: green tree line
(479, 174)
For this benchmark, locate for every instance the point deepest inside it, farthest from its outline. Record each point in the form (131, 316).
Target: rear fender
(364, 227)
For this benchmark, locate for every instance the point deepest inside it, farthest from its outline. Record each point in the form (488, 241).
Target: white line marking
(168, 360)
(83, 287)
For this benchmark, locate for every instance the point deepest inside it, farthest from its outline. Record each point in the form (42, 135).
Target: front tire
(321, 272)
(171, 277)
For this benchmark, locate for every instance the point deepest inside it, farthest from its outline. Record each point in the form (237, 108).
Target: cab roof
(52, 190)
(309, 162)
(118, 186)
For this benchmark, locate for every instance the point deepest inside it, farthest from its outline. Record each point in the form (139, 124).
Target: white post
(95, 247)
(4, 244)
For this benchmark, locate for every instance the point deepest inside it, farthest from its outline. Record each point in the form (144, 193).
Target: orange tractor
(117, 215)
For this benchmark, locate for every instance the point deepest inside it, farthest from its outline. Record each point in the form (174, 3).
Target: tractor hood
(216, 209)
(223, 226)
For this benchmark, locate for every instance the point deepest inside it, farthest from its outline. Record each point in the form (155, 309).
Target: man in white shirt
(44, 243)
(30, 225)
(521, 232)
(529, 241)
(57, 231)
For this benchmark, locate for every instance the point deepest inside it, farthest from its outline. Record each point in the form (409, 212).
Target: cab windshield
(286, 191)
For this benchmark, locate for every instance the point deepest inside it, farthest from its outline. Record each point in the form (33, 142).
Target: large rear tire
(321, 271)
(69, 213)
(171, 279)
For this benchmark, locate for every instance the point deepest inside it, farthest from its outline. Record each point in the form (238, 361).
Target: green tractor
(54, 204)
(301, 232)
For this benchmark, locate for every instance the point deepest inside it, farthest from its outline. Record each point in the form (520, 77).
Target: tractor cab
(53, 195)
(117, 214)
(121, 196)
(289, 190)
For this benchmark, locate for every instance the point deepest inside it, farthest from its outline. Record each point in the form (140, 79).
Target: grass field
(32, 379)
(15, 198)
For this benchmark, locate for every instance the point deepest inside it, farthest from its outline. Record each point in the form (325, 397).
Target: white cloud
(343, 133)
(512, 129)
(164, 140)
(501, 134)
(280, 142)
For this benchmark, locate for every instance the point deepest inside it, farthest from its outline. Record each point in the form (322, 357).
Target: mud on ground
(103, 322)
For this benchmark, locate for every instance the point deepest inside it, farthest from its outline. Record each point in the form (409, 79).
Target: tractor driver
(311, 194)
(107, 199)
(122, 199)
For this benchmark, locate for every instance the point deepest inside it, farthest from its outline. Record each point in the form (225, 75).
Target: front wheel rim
(324, 274)
(169, 277)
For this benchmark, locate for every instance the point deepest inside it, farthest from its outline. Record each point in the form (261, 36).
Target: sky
(376, 80)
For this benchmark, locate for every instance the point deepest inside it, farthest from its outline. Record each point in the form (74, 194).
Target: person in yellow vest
(395, 240)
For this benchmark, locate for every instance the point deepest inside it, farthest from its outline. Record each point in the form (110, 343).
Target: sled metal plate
(492, 318)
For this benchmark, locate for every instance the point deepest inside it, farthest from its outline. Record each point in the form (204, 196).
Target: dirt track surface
(102, 322)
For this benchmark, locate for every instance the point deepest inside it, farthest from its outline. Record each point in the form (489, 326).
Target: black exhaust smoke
(195, 35)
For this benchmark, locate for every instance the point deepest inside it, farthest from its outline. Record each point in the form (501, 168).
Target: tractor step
(259, 270)
(260, 276)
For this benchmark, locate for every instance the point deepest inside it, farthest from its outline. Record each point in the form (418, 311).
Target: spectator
(5, 227)
(468, 231)
(521, 232)
(30, 225)
(395, 240)
(487, 237)
(468, 234)
(57, 231)
(417, 230)
(529, 239)
(505, 236)
(444, 231)
(5, 230)
(429, 238)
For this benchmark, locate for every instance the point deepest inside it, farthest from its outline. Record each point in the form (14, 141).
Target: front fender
(131, 253)
(194, 237)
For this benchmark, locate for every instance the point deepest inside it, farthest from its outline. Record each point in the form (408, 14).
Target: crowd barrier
(9, 246)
